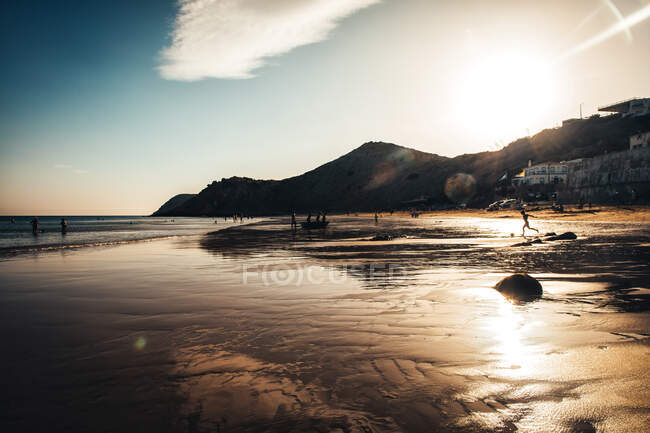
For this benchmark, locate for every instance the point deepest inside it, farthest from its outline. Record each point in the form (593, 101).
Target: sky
(114, 107)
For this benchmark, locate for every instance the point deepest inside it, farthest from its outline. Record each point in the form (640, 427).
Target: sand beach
(258, 328)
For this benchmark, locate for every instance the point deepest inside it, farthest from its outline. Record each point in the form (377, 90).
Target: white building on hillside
(547, 173)
(629, 107)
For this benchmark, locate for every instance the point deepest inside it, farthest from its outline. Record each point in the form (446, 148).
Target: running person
(525, 216)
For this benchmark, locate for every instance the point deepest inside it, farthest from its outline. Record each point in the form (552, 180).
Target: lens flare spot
(140, 343)
(460, 188)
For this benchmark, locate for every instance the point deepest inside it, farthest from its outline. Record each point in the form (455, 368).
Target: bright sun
(501, 97)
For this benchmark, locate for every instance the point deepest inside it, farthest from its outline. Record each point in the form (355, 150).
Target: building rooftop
(620, 106)
(544, 164)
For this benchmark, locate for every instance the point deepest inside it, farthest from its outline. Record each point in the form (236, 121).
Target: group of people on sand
(236, 217)
(321, 219)
(36, 230)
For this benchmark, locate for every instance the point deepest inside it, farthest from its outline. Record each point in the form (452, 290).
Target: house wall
(545, 174)
(622, 177)
(639, 106)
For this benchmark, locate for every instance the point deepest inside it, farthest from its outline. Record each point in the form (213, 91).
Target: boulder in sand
(528, 243)
(563, 237)
(520, 287)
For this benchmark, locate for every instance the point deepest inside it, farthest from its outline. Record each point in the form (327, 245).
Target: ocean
(85, 231)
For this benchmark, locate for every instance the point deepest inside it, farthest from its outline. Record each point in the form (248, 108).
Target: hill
(381, 175)
(178, 200)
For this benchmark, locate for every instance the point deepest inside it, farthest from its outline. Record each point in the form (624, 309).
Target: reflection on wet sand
(327, 331)
(502, 363)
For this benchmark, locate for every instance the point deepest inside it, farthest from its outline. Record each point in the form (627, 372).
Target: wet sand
(622, 214)
(257, 328)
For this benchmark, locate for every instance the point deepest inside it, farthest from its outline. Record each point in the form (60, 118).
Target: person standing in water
(376, 217)
(525, 216)
(35, 225)
(294, 224)
(64, 226)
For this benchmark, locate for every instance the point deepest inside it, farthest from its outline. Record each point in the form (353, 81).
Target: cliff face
(382, 175)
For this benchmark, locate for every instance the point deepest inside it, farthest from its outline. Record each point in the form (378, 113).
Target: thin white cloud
(232, 38)
(62, 166)
(80, 171)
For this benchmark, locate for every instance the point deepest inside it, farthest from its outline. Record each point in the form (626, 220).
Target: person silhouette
(64, 226)
(35, 225)
(525, 216)
(294, 224)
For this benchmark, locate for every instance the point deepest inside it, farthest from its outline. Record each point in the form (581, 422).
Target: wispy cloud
(62, 166)
(232, 38)
(80, 171)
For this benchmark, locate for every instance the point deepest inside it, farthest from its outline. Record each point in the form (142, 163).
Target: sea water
(17, 237)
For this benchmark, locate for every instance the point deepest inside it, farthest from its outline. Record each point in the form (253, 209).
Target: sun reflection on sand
(507, 227)
(516, 357)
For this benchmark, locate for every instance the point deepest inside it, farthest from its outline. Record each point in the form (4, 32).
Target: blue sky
(113, 107)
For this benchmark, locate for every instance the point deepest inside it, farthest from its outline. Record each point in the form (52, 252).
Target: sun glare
(503, 97)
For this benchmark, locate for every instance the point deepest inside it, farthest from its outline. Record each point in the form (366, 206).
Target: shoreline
(629, 214)
(11, 252)
(602, 214)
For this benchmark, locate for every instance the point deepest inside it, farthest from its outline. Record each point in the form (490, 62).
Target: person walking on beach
(525, 216)
(309, 218)
(64, 226)
(323, 218)
(294, 224)
(35, 225)
(376, 217)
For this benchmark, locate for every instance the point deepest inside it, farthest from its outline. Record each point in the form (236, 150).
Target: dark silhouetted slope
(170, 205)
(381, 175)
